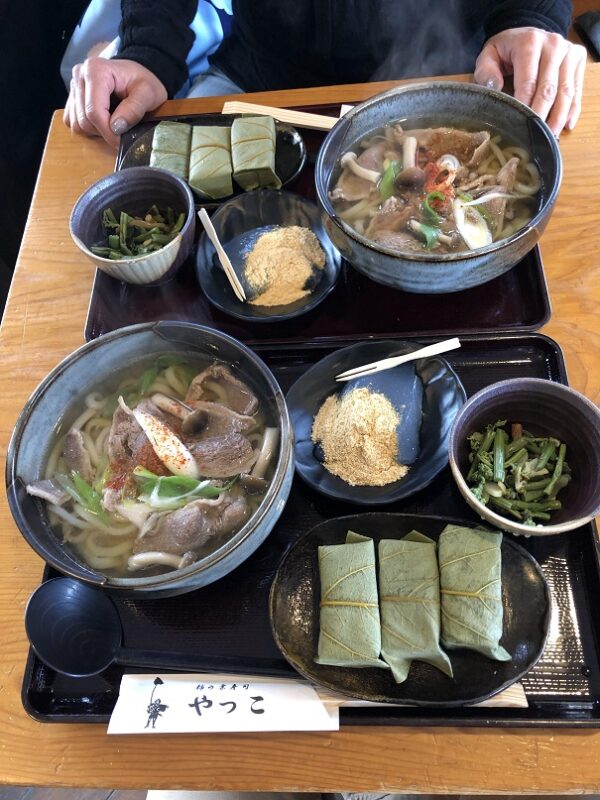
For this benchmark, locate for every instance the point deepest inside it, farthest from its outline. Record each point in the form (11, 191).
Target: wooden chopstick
(223, 257)
(303, 119)
(388, 363)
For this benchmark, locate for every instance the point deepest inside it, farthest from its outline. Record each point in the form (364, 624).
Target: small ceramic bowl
(544, 408)
(423, 430)
(134, 191)
(238, 223)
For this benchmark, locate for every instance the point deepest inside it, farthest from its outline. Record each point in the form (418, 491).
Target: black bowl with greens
(525, 454)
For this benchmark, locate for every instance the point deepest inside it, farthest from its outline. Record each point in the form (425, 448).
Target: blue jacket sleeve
(158, 36)
(549, 15)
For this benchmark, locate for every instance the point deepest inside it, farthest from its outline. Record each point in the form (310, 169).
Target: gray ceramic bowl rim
(174, 576)
(491, 516)
(113, 177)
(442, 257)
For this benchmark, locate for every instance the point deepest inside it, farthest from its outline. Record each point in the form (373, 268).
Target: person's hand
(547, 72)
(94, 83)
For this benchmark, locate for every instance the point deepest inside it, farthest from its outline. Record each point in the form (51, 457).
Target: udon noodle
(161, 471)
(435, 189)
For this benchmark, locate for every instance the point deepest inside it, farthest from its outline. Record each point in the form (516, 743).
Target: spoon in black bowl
(223, 256)
(75, 629)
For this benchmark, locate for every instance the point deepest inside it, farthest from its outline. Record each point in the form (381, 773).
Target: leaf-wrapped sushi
(471, 590)
(350, 632)
(171, 147)
(253, 142)
(210, 161)
(409, 597)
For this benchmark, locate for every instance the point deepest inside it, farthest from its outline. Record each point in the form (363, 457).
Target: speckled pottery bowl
(104, 362)
(439, 103)
(546, 409)
(134, 191)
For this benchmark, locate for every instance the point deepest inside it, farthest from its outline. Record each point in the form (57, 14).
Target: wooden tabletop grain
(44, 321)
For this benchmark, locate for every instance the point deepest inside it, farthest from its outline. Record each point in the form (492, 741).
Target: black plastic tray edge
(546, 302)
(339, 340)
(358, 717)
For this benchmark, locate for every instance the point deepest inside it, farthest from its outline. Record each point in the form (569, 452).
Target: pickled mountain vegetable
(471, 590)
(132, 236)
(350, 629)
(518, 474)
(253, 152)
(409, 596)
(210, 161)
(171, 147)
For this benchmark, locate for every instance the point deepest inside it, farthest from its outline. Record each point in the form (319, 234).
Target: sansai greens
(516, 473)
(130, 236)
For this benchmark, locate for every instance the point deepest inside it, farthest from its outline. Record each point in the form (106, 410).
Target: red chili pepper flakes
(434, 180)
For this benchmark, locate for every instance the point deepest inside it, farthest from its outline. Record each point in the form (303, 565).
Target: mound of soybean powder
(281, 263)
(358, 433)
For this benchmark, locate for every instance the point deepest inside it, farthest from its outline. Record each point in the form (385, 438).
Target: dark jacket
(282, 44)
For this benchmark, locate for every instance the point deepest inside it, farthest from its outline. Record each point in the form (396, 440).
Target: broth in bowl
(162, 470)
(435, 189)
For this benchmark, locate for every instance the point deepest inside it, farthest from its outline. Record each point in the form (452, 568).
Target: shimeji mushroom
(350, 160)
(411, 174)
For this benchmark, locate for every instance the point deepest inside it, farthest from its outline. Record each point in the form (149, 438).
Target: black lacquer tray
(230, 617)
(357, 308)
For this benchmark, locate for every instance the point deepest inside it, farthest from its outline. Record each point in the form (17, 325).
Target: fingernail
(119, 126)
(492, 83)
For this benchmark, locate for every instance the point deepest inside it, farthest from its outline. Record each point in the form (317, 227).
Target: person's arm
(157, 34)
(149, 67)
(527, 39)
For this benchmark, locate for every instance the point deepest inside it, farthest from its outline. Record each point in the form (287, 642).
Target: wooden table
(44, 321)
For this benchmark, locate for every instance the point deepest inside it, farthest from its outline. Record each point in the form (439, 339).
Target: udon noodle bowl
(161, 471)
(435, 189)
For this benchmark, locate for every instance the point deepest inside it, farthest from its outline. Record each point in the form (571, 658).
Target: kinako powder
(358, 433)
(280, 264)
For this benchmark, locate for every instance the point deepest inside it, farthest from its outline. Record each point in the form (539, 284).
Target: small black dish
(290, 150)
(294, 613)
(443, 396)
(238, 223)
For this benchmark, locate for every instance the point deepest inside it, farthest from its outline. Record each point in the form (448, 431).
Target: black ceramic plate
(443, 396)
(238, 223)
(290, 151)
(294, 610)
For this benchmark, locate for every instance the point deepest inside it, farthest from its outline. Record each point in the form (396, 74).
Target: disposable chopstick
(223, 257)
(388, 363)
(301, 118)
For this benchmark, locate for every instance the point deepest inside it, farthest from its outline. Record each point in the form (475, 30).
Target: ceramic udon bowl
(58, 400)
(438, 103)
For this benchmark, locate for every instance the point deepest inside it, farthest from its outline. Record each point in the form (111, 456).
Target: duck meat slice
(223, 456)
(469, 148)
(123, 434)
(49, 490)
(195, 527)
(352, 187)
(76, 456)
(214, 419)
(398, 240)
(218, 379)
(372, 157)
(392, 217)
(505, 180)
